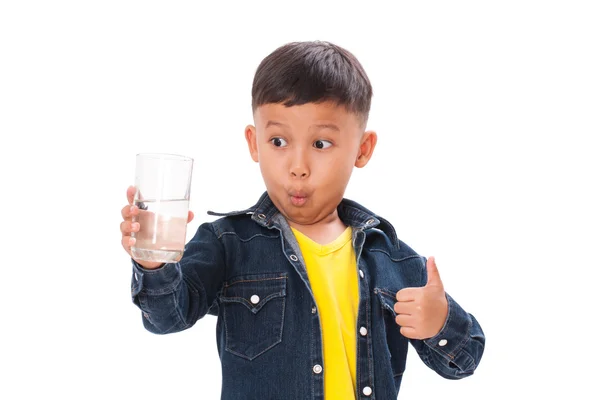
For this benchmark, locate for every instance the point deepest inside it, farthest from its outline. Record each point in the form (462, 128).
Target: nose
(299, 167)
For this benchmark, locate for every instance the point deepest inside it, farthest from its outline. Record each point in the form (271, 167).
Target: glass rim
(166, 156)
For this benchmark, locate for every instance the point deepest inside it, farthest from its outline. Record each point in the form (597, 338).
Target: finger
(404, 321)
(409, 332)
(127, 242)
(406, 308)
(433, 275)
(130, 194)
(407, 294)
(127, 227)
(190, 216)
(128, 211)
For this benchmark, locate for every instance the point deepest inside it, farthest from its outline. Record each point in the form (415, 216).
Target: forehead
(306, 116)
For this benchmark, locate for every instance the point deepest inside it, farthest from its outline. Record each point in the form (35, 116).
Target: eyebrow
(319, 126)
(275, 123)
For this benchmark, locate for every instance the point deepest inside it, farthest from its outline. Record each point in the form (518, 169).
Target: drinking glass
(162, 194)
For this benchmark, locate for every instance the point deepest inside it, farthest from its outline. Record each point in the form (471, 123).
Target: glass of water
(162, 184)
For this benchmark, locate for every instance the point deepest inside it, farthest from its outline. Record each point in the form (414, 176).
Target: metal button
(363, 331)
(314, 309)
(293, 257)
(367, 391)
(369, 222)
(362, 274)
(261, 216)
(254, 299)
(145, 315)
(443, 342)
(317, 369)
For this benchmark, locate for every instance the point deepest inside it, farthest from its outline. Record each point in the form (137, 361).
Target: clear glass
(162, 184)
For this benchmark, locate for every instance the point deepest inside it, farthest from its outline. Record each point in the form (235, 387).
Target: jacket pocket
(253, 312)
(397, 344)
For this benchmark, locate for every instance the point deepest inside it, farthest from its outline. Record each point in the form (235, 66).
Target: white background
(488, 120)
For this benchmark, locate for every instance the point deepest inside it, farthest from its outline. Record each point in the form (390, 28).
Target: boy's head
(310, 102)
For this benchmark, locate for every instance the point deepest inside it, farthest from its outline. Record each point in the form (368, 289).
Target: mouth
(298, 197)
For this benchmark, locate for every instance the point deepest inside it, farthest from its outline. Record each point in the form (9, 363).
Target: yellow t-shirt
(333, 278)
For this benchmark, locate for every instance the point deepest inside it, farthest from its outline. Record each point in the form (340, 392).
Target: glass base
(164, 256)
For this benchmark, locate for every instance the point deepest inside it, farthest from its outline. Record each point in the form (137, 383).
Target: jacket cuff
(157, 281)
(454, 335)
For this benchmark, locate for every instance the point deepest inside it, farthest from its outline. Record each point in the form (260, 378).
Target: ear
(251, 139)
(365, 151)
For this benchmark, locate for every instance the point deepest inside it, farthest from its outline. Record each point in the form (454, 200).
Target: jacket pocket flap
(254, 291)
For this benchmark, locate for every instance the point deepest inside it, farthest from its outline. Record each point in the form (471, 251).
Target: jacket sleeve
(174, 296)
(455, 352)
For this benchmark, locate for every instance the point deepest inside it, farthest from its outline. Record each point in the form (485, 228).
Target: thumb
(433, 275)
(131, 194)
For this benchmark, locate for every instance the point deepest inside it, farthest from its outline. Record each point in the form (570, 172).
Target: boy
(316, 297)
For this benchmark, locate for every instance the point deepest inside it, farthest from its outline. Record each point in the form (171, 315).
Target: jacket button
(254, 299)
(367, 391)
(369, 222)
(293, 257)
(362, 274)
(443, 342)
(363, 331)
(317, 369)
(261, 216)
(314, 310)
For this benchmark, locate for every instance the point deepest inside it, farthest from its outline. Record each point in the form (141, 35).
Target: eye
(323, 144)
(278, 142)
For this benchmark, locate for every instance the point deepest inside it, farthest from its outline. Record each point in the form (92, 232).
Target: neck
(323, 232)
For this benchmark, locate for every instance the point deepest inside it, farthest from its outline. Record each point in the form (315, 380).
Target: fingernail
(131, 241)
(135, 226)
(132, 209)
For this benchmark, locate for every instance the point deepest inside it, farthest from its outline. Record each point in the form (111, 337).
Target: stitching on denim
(392, 258)
(159, 292)
(216, 231)
(386, 293)
(358, 351)
(462, 343)
(170, 329)
(227, 299)
(282, 295)
(385, 306)
(178, 311)
(228, 348)
(253, 280)
(369, 340)
(251, 237)
(252, 358)
(441, 350)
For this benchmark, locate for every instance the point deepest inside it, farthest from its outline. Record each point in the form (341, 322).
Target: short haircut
(313, 72)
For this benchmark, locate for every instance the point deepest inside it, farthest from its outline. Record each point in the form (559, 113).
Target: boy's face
(306, 155)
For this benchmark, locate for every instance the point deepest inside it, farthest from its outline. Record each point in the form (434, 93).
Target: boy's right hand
(127, 226)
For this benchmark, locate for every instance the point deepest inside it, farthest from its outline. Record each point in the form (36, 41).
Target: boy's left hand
(422, 311)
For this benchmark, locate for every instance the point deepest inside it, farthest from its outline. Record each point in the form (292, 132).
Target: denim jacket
(246, 269)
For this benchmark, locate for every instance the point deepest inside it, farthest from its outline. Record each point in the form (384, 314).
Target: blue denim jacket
(246, 268)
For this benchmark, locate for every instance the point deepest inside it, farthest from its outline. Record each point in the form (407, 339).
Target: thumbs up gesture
(422, 311)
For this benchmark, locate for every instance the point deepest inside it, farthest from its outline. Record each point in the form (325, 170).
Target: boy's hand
(127, 226)
(421, 312)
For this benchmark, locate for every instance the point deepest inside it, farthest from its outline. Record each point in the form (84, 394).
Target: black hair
(313, 72)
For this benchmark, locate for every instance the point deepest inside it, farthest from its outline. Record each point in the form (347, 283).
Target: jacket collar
(350, 212)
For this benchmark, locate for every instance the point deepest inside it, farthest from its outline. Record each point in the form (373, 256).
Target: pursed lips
(298, 197)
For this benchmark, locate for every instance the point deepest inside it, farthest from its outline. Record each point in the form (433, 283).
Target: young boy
(315, 296)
